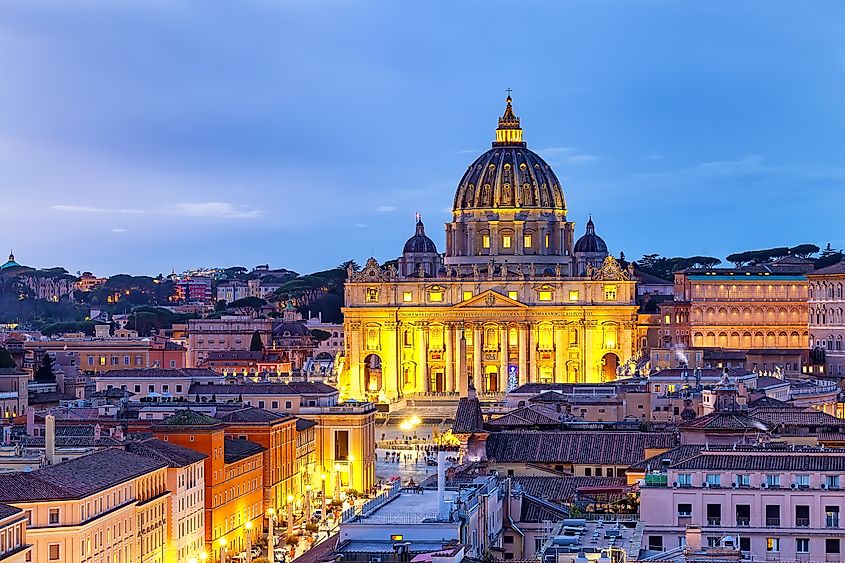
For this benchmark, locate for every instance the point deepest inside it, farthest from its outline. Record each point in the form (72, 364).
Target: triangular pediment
(491, 298)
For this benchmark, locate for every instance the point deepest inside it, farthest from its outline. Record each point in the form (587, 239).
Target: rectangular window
(102, 360)
(178, 388)
(485, 241)
(547, 240)
(574, 295)
(467, 295)
(831, 516)
(54, 516)
(506, 241)
(545, 295)
(126, 360)
(714, 479)
(151, 388)
(832, 481)
(802, 481)
(173, 365)
(341, 444)
(684, 480)
(90, 360)
(274, 405)
(802, 516)
(714, 514)
(407, 296)
(513, 295)
(288, 405)
(610, 293)
(831, 545)
(773, 544)
(260, 404)
(743, 480)
(53, 552)
(655, 543)
(684, 510)
(743, 515)
(435, 296)
(802, 545)
(773, 480)
(527, 240)
(137, 388)
(773, 515)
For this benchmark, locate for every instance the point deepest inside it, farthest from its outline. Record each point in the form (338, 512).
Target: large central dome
(509, 176)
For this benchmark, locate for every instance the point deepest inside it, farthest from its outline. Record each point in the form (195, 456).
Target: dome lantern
(509, 132)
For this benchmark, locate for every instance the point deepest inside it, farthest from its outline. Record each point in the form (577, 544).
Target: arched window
(491, 338)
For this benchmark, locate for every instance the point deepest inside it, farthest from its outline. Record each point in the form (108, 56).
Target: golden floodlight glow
(203, 556)
(405, 425)
(271, 511)
(350, 457)
(323, 476)
(223, 541)
(290, 498)
(415, 420)
(248, 525)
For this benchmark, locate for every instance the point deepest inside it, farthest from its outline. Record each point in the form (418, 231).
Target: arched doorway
(372, 373)
(609, 363)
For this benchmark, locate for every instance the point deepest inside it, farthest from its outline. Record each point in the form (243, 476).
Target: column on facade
(560, 353)
(422, 383)
(519, 233)
(471, 236)
(541, 242)
(477, 376)
(523, 348)
(589, 361)
(390, 360)
(449, 342)
(354, 360)
(532, 353)
(494, 237)
(463, 379)
(503, 358)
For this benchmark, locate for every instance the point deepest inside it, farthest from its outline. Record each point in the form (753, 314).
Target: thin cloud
(361, 226)
(580, 159)
(118, 230)
(385, 208)
(215, 209)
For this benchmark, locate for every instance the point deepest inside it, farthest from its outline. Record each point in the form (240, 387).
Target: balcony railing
(831, 522)
(656, 480)
(742, 522)
(714, 520)
(773, 522)
(802, 522)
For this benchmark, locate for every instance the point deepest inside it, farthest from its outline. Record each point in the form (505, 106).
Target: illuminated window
(102, 360)
(397, 537)
(527, 240)
(610, 293)
(407, 296)
(467, 295)
(506, 241)
(545, 295)
(513, 295)
(547, 240)
(435, 296)
(667, 319)
(485, 241)
(574, 295)
(372, 295)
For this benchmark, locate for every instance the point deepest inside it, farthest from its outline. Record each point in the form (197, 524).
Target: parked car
(280, 554)
(317, 514)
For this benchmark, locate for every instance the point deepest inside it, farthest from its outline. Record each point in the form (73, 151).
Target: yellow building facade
(514, 298)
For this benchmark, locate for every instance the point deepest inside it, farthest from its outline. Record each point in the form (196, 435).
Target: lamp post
(248, 534)
(323, 483)
(307, 504)
(336, 493)
(350, 459)
(290, 515)
(222, 543)
(271, 537)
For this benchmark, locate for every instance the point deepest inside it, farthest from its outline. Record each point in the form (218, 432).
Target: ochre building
(514, 299)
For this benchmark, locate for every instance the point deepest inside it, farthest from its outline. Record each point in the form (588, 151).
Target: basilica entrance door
(439, 380)
(609, 363)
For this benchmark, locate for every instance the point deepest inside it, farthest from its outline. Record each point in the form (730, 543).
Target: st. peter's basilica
(514, 298)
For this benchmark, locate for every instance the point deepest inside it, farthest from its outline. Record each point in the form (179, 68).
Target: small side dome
(591, 242)
(420, 243)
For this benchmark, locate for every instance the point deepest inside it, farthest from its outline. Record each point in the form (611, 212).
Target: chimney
(442, 507)
(30, 421)
(98, 432)
(50, 438)
(693, 537)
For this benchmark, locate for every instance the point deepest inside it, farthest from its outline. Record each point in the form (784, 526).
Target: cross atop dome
(509, 132)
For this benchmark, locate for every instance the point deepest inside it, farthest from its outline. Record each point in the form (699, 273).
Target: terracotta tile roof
(766, 459)
(532, 415)
(549, 397)
(262, 389)
(795, 416)
(253, 415)
(238, 449)
(733, 420)
(468, 417)
(50, 397)
(222, 355)
(7, 510)
(564, 489)
(302, 424)
(591, 447)
(149, 373)
(838, 268)
(76, 478)
(674, 455)
(105, 441)
(174, 455)
(188, 419)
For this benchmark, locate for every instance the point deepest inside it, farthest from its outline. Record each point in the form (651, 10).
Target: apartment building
(778, 502)
(106, 506)
(225, 333)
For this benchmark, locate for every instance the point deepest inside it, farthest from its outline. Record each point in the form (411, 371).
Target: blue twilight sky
(142, 136)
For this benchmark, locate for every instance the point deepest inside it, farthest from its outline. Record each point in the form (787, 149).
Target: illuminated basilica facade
(514, 298)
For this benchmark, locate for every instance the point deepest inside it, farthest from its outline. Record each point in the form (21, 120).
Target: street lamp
(271, 538)
(203, 556)
(336, 481)
(290, 515)
(222, 543)
(248, 534)
(351, 459)
(323, 483)
(307, 504)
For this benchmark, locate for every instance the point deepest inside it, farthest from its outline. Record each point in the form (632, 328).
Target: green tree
(44, 373)
(256, 345)
(320, 335)
(804, 250)
(6, 360)
(248, 306)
